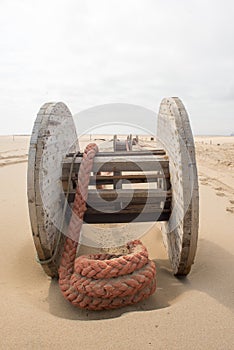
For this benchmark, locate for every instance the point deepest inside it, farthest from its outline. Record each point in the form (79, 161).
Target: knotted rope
(101, 281)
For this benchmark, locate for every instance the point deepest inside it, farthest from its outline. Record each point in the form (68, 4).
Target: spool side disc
(181, 231)
(52, 136)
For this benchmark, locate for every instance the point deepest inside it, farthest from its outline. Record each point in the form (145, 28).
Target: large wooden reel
(51, 159)
(181, 231)
(53, 135)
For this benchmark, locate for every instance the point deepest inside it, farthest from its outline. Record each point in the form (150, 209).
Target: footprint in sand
(220, 194)
(231, 201)
(230, 209)
(218, 188)
(204, 180)
(204, 183)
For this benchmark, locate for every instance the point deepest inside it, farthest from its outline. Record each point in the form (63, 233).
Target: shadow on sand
(210, 274)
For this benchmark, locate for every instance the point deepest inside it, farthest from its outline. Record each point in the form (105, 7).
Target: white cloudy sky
(86, 53)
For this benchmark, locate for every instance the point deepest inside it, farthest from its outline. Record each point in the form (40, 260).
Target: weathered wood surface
(53, 134)
(181, 231)
(137, 196)
(130, 142)
(121, 163)
(114, 142)
(143, 213)
(124, 153)
(145, 205)
(96, 180)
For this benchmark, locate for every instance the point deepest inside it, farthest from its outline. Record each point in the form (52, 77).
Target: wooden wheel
(181, 231)
(53, 135)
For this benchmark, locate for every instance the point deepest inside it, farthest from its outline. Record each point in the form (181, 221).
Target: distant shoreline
(11, 135)
(196, 135)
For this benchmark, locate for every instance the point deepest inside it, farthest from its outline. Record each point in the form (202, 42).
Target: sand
(191, 313)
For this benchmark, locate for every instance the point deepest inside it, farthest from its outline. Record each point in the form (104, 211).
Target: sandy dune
(216, 165)
(191, 313)
(13, 149)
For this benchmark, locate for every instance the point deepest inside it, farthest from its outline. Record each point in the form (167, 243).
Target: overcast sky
(87, 53)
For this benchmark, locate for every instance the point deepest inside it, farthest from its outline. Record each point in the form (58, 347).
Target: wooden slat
(101, 202)
(128, 214)
(121, 163)
(138, 178)
(113, 179)
(128, 209)
(135, 201)
(124, 195)
(124, 153)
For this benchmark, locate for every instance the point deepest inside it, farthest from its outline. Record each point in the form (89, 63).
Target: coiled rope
(102, 281)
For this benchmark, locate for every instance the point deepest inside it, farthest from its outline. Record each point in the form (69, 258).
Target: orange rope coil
(102, 281)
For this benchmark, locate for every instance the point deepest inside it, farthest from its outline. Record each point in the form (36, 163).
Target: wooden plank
(121, 163)
(142, 200)
(130, 142)
(159, 152)
(114, 142)
(128, 214)
(124, 195)
(108, 179)
(128, 209)
(140, 152)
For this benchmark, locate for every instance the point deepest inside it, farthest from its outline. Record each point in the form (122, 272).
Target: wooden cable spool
(52, 173)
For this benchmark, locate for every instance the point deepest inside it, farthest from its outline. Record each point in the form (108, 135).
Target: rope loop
(102, 281)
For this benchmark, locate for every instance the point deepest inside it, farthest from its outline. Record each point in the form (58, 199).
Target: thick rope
(102, 281)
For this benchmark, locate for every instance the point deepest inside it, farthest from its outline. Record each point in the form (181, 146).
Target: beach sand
(191, 313)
